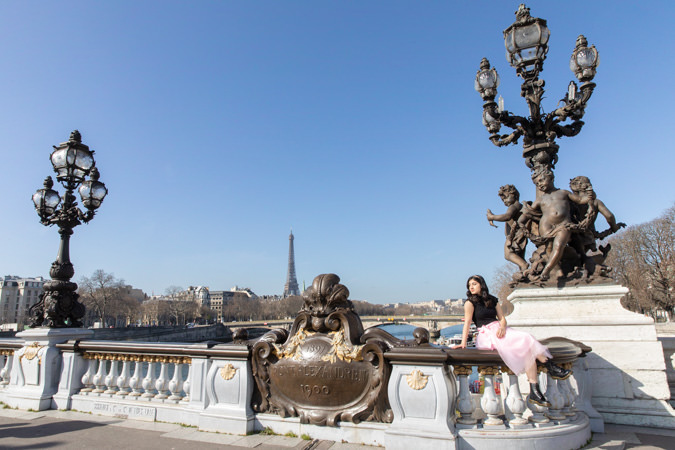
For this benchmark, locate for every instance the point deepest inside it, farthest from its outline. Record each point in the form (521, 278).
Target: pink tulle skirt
(517, 349)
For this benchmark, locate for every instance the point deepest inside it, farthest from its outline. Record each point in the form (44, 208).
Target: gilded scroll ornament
(488, 370)
(462, 370)
(227, 372)
(417, 380)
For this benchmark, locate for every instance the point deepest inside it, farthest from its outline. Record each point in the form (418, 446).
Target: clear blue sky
(219, 125)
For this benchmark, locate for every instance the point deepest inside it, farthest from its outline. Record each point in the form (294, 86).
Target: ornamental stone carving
(326, 369)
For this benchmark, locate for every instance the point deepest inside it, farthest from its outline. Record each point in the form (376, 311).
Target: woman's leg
(531, 372)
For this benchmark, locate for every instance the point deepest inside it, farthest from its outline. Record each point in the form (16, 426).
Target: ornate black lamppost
(73, 162)
(526, 43)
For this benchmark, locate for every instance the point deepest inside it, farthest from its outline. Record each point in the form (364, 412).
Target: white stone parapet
(211, 387)
(626, 368)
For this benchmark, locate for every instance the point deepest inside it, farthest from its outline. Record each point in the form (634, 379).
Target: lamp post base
(58, 306)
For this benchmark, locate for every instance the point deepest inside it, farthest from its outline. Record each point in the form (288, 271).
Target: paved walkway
(23, 430)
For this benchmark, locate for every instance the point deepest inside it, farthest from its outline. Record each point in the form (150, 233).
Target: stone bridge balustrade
(210, 385)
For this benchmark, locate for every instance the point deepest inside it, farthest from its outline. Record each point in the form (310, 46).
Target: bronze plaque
(316, 382)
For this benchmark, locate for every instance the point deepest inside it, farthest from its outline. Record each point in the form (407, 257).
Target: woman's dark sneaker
(557, 372)
(537, 397)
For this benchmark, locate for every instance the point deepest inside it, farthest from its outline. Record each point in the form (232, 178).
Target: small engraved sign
(125, 411)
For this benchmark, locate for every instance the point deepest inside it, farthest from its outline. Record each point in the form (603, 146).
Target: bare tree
(101, 294)
(643, 258)
(155, 312)
(502, 281)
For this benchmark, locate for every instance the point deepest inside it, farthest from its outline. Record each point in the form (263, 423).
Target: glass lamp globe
(526, 42)
(46, 200)
(584, 60)
(72, 160)
(487, 81)
(93, 191)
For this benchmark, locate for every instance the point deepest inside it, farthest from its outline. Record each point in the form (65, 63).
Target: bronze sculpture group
(561, 225)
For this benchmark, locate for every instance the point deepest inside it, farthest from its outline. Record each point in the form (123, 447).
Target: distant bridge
(429, 322)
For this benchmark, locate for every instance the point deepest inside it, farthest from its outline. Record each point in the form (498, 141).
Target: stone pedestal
(229, 386)
(422, 398)
(627, 370)
(37, 367)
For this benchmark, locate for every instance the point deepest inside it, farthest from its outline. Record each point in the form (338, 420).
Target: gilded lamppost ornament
(75, 169)
(558, 222)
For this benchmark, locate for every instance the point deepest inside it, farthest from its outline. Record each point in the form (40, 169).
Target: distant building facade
(198, 294)
(136, 294)
(220, 298)
(17, 295)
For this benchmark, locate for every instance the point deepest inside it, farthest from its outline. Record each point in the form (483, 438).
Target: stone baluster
(88, 377)
(489, 401)
(464, 403)
(567, 391)
(99, 378)
(176, 383)
(187, 384)
(555, 398)
(162, 383)
(149, 380)
(8, 356)
(538, 416)
(123, 379)
(514, 399)
(111, 377)
(136, 380)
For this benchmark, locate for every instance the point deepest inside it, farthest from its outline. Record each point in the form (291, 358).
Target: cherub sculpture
(553, 209)
(514, 247)
(583, 241)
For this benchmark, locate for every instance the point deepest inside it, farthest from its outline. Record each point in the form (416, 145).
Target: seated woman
(518, 349)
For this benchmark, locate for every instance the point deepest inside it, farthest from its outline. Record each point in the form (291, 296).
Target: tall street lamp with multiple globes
(75, 169)
(526, 42)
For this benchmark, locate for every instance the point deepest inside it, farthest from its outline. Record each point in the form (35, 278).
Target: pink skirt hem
(518, 349)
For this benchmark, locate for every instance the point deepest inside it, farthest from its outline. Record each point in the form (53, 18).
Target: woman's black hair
(484, 296)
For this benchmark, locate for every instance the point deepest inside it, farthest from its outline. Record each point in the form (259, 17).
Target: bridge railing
(210, 385)
(504, 411)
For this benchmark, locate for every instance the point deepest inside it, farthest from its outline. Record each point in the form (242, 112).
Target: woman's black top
(482, 314)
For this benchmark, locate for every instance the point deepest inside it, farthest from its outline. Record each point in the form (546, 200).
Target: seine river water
(406, 331)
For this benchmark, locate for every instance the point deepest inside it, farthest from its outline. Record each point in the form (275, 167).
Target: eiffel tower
(291, 287)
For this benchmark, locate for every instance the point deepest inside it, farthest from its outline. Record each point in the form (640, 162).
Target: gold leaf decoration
(417, 380)
(340, 350)
(292, 350)
(31, 351)
(227, 372)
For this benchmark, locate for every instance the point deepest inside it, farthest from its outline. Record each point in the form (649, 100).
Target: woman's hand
(501, 332)
(462, 345)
